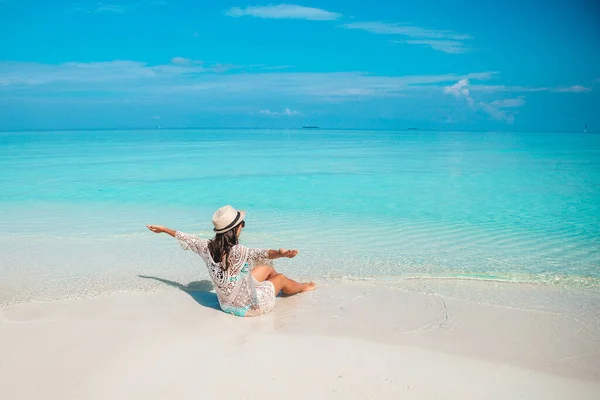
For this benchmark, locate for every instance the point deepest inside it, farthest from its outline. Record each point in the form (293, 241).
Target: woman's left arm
(273, 254)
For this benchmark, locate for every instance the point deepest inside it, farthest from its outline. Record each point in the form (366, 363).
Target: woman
(243, 289)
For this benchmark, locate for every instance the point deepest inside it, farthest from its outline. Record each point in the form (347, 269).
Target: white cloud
(440, 40)
(527, 89)
(284, 11)
(496, 113)
(111, 8)
(481, 76)
(34, 73)
(101, 7)
(275, 67)
(509, 103)
(27, 73)
(181, 60)
(572, 89)
(459, 89)
(182, 77)
(184, 80)
(223, 67)
(495, 109)
(287, 112)
(382, 28)
(352, 92)
(446, 46)
(503, 88)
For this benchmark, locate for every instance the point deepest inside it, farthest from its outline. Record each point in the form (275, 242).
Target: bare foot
(309, 286)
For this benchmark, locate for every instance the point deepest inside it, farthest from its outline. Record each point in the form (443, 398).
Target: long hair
(220, 246)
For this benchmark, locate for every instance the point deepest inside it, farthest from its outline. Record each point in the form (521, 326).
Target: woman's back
(237, 291)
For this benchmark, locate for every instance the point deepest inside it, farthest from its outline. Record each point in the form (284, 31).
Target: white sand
(343, 341)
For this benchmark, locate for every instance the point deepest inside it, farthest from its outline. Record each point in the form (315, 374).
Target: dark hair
(220, 246)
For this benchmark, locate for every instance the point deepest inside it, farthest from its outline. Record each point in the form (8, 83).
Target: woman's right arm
(161, 229)
(186, 241)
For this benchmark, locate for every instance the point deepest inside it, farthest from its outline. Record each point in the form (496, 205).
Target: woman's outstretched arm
(273, 254)
(161, 229)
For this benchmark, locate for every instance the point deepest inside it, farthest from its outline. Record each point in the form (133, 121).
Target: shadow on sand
(199, 290)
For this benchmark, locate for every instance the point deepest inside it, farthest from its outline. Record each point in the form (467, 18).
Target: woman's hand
(161, 229)
(156, 228)
(288, 253)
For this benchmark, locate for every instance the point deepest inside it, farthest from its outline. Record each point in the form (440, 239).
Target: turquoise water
(518, 207)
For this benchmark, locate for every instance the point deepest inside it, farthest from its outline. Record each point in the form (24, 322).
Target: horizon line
(410, 129)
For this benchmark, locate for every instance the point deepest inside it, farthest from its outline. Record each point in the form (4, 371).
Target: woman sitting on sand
(241, 291)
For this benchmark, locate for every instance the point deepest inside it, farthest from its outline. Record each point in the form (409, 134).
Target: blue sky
(451, 65)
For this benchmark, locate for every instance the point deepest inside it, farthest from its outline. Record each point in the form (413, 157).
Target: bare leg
(263, 273)
(289, 286)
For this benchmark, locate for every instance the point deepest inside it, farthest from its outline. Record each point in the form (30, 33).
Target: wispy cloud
(121, 8)
(183, 75)
(272, 68)
(224, 67)
(531, 89)
(185, 80)
(509, 103)
(440, 40)
(460, 90)
(219, 67)
(110, 8)
(447, 46)
(504, 88)
(16, 73)
(382, 28)
(481, 76)
(496, 113)
(287, 112)
(496, 109)
(180, 68)
(284, 11)
(181, 61)
(572, 89)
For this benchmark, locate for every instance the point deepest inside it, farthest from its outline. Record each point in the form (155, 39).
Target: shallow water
(361, 204)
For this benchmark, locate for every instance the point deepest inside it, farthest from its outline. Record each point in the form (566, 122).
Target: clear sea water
(358, 204)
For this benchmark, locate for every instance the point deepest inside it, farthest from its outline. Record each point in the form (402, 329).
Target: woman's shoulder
(239, 252)
(191, 242)
(239, 248)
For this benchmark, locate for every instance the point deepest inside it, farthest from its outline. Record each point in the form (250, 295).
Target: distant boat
(413, 129)
(310, 127)
(585, 129)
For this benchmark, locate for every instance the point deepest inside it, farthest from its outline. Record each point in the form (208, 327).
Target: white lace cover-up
(238, 292)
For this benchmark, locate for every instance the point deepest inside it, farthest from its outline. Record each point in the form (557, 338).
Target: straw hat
(226, 218)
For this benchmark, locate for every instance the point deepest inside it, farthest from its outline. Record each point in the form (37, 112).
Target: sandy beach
(343, 341)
